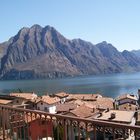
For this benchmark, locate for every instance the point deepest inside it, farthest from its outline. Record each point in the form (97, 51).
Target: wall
(46, 107)
(127, 101)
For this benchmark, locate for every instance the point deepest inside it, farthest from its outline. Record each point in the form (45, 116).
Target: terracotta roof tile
(24, 95)
(103, 102)
(83, 111)
(120, 116)
(65, 107)
(62, 94)
(126, 96)
(3, 101)
(49, 100)
(85, 96)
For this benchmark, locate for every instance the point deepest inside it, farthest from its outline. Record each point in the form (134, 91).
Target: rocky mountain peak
(42, 52)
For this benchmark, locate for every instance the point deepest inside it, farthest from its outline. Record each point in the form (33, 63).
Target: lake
(108, 85)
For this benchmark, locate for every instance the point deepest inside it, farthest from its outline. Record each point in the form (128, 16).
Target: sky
(114, 21)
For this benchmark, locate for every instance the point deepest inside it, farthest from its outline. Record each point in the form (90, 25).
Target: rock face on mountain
(136, 52)
(39, 52)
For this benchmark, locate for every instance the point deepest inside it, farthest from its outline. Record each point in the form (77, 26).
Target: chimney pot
(113, 115)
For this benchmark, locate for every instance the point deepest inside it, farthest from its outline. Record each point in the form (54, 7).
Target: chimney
(100, 114)
(107, 110)
(113, 115)
(93, 110)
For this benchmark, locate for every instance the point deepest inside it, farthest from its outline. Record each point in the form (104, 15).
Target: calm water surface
(108, 85)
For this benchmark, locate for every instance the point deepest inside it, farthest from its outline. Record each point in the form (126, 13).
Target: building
(66, 107)
(126, 102)
(19, 123)
(138, 118)
(126, 98)
(48, 104)
(84, 97)
(20, 102)
(40, 129)
(118, 116)
(5, 101)
(83, 111)
(128, 107)
(62, 96)
(103, 103)
(139, 97)
(28, 96)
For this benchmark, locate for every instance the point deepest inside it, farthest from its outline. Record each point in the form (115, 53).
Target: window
(41, 103)
(46, 109)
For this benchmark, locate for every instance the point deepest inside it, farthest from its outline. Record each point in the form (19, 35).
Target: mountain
(136, 52)
(39, 52)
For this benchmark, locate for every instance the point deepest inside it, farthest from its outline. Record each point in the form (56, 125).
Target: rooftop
(103, 103)
(30, 96)
(84, 96)
(49, 100)
(4, 101)
(83, 111)
(65, 107)
(120, 116)
(62, 94)
(127, 96)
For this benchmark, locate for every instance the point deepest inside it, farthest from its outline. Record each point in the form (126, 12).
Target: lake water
(108, 85)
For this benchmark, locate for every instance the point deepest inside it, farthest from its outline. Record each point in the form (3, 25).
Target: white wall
(63, 100)
(46, 107)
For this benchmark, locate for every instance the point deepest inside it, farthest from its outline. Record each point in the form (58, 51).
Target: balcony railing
(24, 124)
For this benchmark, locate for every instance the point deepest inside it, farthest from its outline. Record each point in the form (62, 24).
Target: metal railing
(24, 124)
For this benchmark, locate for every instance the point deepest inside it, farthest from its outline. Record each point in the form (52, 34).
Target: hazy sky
(115, 21)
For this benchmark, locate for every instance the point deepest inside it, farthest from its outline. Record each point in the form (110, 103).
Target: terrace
(24, 124)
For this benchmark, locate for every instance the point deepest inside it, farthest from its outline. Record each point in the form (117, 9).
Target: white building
(126, 98)
(62, 96)
(48, 104)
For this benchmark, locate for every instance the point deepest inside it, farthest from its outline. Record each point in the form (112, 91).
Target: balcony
(24, 124)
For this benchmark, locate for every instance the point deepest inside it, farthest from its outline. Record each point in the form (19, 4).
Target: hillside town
(124, 109)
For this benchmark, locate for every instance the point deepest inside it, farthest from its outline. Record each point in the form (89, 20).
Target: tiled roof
(83, 111)
(120, 116)
(65, 107)
(84, 96)
(100, 103)
(24, 95)
(49, 100)
(103, 102)
(62, 94)
(127, 96)
(78, 102)
(3, 101)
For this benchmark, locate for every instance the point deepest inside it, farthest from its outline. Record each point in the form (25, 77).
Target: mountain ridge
(42, 52)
